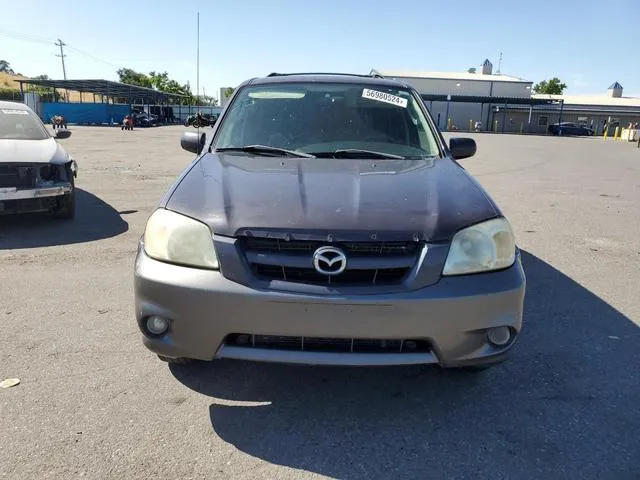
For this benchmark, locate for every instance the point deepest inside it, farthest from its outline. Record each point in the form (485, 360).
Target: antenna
(61, 44)
(499, 63)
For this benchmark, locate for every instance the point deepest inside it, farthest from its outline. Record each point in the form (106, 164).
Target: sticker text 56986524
(384, 97)
(13, 111)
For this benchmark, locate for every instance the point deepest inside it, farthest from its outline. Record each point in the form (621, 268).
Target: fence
(10, 95)
(108, 113)
(181, 112)
(85, 113)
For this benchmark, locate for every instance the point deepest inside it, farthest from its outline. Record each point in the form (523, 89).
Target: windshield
(18, 124)
(326, 118)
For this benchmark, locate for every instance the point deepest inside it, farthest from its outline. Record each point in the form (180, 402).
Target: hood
(32, 151)
(347, 199)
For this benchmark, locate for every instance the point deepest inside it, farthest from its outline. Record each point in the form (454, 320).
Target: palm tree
(6, 68)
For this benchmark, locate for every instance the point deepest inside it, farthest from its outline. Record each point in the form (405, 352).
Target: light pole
(446, 116)
(530, 110)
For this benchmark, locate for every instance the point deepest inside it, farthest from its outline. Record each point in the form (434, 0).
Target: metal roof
(478, 77)
(595, 110)
(603, 101)
(105, 87)
(615, 86)
(495, 100)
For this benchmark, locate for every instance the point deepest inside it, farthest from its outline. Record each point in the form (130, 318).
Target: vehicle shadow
(566, 404)
(94, 220)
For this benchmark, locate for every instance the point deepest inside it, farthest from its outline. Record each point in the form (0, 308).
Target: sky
(587, 44)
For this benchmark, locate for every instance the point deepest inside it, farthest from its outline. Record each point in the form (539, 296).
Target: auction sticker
(12, 111)
(384, 97)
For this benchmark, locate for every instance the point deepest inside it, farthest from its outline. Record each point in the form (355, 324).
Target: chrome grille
(17, 176)
(29, 175)
(350, 248)
(386, 263)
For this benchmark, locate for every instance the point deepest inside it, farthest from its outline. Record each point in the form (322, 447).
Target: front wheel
(67, 208)
(196, 124)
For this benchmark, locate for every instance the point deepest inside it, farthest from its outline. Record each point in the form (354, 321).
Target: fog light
(157, 325)
(499, 336)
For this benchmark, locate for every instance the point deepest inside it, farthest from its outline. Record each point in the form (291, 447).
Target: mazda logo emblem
(329, 261)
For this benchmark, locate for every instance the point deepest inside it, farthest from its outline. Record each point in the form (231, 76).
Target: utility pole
(62, 55)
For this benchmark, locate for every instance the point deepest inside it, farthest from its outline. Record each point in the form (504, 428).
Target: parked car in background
(325, 220)
(201, 120)
(144, 119)
(569, 128)
(36, 173)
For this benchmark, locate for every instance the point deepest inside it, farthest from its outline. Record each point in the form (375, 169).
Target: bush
(11, 94)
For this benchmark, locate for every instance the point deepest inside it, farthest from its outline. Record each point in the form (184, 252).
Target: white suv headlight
(171, 237)
(483, 247)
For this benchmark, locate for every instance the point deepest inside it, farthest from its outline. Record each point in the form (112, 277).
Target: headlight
(487, 246)
(171, 237)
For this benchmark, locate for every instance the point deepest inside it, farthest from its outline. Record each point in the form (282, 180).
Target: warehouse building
(488, 101)
(600, 112)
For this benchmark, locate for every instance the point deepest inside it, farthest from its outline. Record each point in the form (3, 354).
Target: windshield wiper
(357, 153)
(266, 150)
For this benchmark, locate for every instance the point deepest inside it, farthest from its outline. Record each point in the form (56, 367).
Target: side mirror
(63, 133)
(193, 142)
(462, 147)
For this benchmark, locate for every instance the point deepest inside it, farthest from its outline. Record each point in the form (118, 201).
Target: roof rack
(374, 75)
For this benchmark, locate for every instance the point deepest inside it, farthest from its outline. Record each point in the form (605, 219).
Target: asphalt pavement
(93, 402)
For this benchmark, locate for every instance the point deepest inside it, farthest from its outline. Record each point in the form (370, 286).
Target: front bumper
(205, 308)
(41, 192)
(13, 200)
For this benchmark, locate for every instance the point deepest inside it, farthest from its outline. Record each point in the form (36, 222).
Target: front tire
(67, 204)
(67, 209)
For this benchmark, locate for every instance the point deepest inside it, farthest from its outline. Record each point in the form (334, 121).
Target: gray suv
(326, 221)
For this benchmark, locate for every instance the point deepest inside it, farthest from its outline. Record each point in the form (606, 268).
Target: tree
(157, 81)
(205, 100)
(228, 92)
(6, 68)
(46, 93)
(42, 91)
(552, 87)
(131, 77)
(160, 81)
